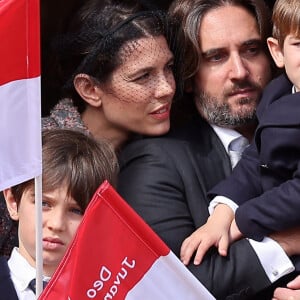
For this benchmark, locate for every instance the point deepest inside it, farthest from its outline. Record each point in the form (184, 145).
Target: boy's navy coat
(269, 172)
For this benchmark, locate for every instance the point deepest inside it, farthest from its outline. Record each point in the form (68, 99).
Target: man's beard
(221, 114)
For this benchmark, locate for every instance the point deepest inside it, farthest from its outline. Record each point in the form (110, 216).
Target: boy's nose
(56, 221)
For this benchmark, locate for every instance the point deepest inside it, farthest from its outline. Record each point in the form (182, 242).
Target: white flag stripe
(20, 124)
(169, 275)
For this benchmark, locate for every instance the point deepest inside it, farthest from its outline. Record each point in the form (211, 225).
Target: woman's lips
(161, 113)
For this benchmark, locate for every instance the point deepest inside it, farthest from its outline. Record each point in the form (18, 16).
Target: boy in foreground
(74, 165)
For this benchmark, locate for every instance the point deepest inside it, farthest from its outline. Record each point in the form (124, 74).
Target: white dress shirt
(233, 142)
(21, 274)
(272, 257)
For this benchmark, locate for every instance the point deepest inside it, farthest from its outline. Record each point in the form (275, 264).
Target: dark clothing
(267, 179)
(8, 230)
(166, 181)
(7, 289)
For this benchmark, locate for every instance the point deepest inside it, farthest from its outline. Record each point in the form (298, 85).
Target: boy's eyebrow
(293, 37)
(47, 196)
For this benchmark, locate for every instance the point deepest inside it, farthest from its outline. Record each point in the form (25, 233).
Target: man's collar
(226, 135)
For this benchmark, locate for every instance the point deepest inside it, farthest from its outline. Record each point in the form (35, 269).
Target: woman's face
(139, 94)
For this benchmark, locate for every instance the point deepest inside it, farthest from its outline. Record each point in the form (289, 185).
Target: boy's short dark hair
(76, 159)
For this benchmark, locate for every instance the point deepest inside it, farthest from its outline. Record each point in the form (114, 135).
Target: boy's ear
(11, 204)
(276, 52)
(88, 89)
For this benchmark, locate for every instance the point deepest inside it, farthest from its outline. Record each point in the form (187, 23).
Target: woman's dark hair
(96, 40)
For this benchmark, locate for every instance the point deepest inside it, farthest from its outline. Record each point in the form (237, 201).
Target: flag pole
(38, 235)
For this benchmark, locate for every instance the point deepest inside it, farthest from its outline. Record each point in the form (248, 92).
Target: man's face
(234, 67)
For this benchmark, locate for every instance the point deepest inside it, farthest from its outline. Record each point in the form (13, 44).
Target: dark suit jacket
(8, 230)
(267, 179)
(166, 180)
(7, 289)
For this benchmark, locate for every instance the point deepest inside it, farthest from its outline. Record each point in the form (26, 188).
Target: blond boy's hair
(286, 19)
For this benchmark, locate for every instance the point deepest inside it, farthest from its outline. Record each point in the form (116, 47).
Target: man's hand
(292, 292)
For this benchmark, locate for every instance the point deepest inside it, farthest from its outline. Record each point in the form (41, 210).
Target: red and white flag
(116, 255)
(20, 103)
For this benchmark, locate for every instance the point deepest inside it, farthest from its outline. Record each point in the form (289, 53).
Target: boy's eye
(45, 204)
(76, 210)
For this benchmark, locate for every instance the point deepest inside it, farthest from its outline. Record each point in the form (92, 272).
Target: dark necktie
(32, 285)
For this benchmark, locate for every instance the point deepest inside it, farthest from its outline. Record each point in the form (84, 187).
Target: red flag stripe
(19, 48)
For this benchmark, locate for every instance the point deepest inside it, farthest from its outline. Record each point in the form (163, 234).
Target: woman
(118, 73)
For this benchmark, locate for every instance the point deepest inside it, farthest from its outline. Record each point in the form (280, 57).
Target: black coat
(166, 180)
(8, 230)
(7, 289)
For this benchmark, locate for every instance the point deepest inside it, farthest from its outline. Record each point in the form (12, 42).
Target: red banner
(20, 40)
(116, 255)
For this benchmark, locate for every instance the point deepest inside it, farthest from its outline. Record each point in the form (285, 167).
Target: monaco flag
(116, 255)
(20, 104)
